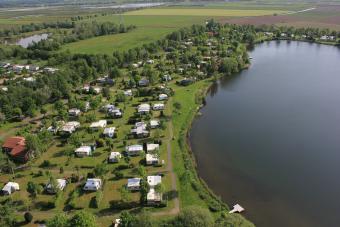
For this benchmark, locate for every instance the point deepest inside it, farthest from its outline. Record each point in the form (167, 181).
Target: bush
(100, 142)
(28, 217)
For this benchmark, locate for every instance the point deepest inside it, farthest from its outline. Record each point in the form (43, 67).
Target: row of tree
(81, 31)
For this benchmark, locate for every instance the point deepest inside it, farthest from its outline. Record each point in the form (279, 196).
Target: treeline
(81, 31)
(16, 30)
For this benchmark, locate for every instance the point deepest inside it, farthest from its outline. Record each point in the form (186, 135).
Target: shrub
(28, 217)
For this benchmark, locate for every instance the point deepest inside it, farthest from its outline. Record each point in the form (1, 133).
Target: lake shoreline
(199, 107)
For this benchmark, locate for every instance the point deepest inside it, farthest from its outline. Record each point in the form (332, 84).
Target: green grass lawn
(149, 29)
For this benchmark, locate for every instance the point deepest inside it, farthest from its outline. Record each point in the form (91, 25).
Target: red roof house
(16, 148)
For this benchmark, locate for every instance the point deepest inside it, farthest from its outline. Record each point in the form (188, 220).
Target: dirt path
(176, 209)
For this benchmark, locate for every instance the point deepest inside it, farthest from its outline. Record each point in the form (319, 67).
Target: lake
(25, 42)
(269, 137)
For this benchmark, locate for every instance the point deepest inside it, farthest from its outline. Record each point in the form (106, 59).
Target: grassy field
(149, 29)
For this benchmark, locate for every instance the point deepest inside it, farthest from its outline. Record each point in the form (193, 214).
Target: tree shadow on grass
(172, 194)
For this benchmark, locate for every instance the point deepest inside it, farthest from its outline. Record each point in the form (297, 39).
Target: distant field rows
(204, 12)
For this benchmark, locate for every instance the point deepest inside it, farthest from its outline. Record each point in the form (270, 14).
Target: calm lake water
(25, 42)
(269, 138)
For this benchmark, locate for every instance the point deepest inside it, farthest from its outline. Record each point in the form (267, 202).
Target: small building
(115, 112)
(167, 78)
(154, 124)
(109, 132)
(61, 184)
(74, 112)
(143, 82)
(140, 130)
(50, 70)
(158, 106)
(15, 147)
(153, 197)
(92, 184)
(144, 108)
(154, 180)
(151, 159)
(128, 92)
(134, 150)
(133, 184)
(29, 79)
(150, 61)
(83, 151)
(162, 97)
(114, 157)
(96, 90)
(9, 188)
(18, 68)
(33, 68)
(152, 147)
(70, 127)
(99, 124)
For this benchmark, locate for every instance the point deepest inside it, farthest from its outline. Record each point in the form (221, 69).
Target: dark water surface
(269, 138)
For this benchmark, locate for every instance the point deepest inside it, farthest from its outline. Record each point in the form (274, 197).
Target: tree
(194, 217)
(33, 144)
(60, 220)
(160, 188)
(32, 188)
(127, 219)
(144, 219)
(28, 217)
(100, 170)
(124, 195)
(83, 219)
(7, 217)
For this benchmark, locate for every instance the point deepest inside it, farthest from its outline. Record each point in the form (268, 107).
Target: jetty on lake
(236, 208)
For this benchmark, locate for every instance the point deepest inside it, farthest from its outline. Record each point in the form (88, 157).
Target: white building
(140, 130)
(158, 106)
(144, 108)
(74, 112)
(151, 159)
(61, 184)
(99, 124)
(162, 97)
(70, 127)
(134, 150)
(83, 151)
(152, 147)
(154, 124)
(150, 61)
(153, 197)
(128, 92)
(133, 184)
(114, 157)
(109, 132)
(9, 188)
(92, 184)
(154, 180)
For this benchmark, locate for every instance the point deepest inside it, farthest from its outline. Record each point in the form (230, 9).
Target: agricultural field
(204, 12)
(321, 16)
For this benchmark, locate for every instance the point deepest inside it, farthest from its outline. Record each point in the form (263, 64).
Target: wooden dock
(236, 208)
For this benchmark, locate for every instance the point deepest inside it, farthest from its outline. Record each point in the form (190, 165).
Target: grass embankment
(192, 189)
